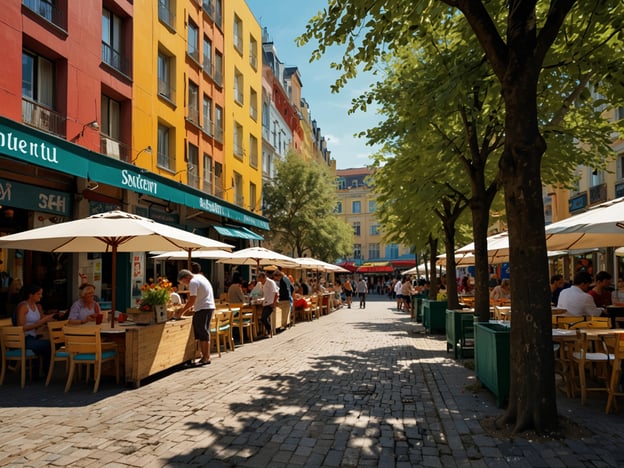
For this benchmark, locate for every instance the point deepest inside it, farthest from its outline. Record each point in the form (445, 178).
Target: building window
(392, 251)
(339, 207)
(218, 127)
(373, 251)
(112, 42)
(357, 250)
(374, 229)
(207, 61)
(238, 140)
(192, 166)
(238, 87)
(218, 69)
(166, 12)
(372, 206)
(253, 195)
(354, 183)
(38, 79)
(253, 104)
(218, 179)
(164, 146)
(620, 166)
(356, 228)
(253, 151)
(239, 198)
(165, 74)
(238, 34)
(193, 103)
(253, 52)
(356, 207)
(111, 118)
(46, 9)
(342, 183)
(207, 184)
(193, 41)
(207, 115)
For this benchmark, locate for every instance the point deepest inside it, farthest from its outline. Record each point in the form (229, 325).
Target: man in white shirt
(270, 292)
(576, 300)
(201, 299)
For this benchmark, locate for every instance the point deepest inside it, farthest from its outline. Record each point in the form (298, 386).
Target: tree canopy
(301, 202)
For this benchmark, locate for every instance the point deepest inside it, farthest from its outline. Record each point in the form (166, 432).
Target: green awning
(238, 232)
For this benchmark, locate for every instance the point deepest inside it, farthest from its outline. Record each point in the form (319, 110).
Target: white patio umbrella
(259, 256)
(113, 231)
(602, 226)
(420, 270)
(183, 254)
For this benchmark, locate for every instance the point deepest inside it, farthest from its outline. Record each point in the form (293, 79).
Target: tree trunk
(480, 216)
(433, 282)
(532, 399)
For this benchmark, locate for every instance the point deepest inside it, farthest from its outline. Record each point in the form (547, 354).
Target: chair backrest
(82, 339)
(12, 338)
(598, 322)
(55, 332)
(570, 322)
(6, 322)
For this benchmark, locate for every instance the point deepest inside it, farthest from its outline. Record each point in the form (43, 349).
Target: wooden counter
(154, 348)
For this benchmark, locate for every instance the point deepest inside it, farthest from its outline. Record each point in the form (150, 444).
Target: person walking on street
(270, 292)
(201, 299)
(362, 289)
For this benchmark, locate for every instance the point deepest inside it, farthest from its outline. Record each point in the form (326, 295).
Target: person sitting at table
(603, 286)
(85, 308)
(575, 299)
(29, 315)
(557, 284)
(502, 292)
(256, 290)
(235, 291)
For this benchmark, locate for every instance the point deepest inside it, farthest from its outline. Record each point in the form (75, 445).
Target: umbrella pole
(113, 285)
(188, 263)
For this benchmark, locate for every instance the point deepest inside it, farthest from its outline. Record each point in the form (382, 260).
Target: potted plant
(155, 296)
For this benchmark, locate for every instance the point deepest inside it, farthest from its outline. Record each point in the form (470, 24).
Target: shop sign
(33, 198)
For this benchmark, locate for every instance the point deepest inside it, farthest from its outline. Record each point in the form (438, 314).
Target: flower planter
(460, 332)
(434, 315)
(492, 359)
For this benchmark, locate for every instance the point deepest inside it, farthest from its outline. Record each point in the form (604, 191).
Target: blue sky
(285, 20)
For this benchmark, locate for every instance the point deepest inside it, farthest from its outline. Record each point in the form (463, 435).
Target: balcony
(46, 10)
(43, 118)
(207, 127)
(113, 148)
(193, 115)
(597, 194)
(218, 133)
(207, 186)
(217, 76)
(165, 89)
(192, 179)
(113, 58)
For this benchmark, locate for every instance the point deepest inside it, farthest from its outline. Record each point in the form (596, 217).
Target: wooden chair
(13, 346)
(84, 345)
(315, 308)
(57, 343)
(6, 322)
(598, 322)
(243, 319)
(616, 372)
(222, 331)
(594, 362)
(568, 322)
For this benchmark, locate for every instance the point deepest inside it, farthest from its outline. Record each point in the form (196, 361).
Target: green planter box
(460, 332)
(417, 304)
(434, 315)
(492, 359)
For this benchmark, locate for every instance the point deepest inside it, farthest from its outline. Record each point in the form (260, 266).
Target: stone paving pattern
(360, 387)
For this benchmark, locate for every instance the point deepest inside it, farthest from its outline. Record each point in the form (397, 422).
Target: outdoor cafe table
(148, 349)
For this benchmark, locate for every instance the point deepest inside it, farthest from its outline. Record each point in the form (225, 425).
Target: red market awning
(403, 263)
(377, 267)
(348, 266)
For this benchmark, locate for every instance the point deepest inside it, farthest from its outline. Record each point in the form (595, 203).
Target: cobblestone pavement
(360, 387)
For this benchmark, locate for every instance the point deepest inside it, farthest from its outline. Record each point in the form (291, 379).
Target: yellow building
(243, 91)
(357, 206)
